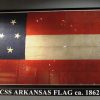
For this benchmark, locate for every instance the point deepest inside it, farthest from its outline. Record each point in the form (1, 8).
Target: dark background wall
(47, 4)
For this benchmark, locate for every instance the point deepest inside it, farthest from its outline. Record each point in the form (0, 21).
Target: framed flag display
(50, 50)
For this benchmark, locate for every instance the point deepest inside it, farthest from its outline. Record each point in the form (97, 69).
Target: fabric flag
(54, 47)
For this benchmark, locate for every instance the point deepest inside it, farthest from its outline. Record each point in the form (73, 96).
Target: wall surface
(47, 4)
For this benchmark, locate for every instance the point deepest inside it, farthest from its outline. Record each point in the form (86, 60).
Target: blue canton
(12, 35)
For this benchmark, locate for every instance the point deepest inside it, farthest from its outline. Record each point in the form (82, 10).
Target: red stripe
(50, 72)
(63, 22)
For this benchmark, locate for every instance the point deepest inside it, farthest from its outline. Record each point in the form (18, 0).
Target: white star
(17, 36)
(13, 22)
(10, 50)
(2, 35)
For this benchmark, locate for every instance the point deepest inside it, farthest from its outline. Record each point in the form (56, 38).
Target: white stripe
(62, 47)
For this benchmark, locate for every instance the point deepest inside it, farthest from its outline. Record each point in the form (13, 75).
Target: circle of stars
(17, 36)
